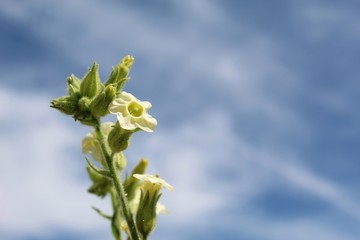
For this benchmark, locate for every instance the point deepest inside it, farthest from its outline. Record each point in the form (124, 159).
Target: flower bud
(127, 61)
(100, 105)
(86, 118)
(131, 182)
(90, 85)
(73, 85)
(84, 104)
(84, 114)
(118, 75)
(65, 104)
(119, 138)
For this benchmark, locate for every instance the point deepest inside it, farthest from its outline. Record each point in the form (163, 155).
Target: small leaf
(102, 214)
(104, 173)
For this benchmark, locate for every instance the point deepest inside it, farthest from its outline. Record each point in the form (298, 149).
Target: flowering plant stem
(119, 188)
(87, 101)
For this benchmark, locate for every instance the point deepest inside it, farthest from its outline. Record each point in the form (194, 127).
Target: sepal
(119, 74)
(73, 85)
(65, 104)
(119, 138)
(90, 85)
(86, 118)
(146, 214)
(99, 107)
(131, 183)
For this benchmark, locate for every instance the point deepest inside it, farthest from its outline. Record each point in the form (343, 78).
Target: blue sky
(256, 102)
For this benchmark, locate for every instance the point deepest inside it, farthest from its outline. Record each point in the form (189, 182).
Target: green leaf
(104, 173)
(102, 214)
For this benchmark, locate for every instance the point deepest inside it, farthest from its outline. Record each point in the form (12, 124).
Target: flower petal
(146, 123)
(125, 122)
(146, 105)
(115, 108)
(154, 180)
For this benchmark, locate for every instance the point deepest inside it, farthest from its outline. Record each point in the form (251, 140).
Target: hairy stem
(134, 233)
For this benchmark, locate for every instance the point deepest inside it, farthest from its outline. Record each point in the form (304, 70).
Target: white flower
(132, 113)
(90, 144)
(152, 183)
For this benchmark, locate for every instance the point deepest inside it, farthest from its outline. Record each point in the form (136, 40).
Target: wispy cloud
(39, 180)
(203, 153)
(225, 171)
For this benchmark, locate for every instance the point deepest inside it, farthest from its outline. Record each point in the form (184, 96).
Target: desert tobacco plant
(134, 197)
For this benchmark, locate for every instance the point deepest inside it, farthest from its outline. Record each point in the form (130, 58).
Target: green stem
(134, 233)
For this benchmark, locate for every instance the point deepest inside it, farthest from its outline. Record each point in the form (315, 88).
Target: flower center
(135, 109)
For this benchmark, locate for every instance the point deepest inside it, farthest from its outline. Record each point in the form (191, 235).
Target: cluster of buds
(87, 101)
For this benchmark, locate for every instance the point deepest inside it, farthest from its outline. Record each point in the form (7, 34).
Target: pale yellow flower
(132, 113)
(152, 183)
(90, 144)
(148, 206)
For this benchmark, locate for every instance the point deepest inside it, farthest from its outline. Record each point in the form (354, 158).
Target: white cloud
(240, 72)
(322, 188)
(263, 228)
(321, 22)
(191, 156)
(195, 158)
(38, 180)
(39, 177)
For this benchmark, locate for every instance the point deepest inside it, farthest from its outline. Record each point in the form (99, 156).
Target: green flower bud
(100, 105)
(73, 85)
(90, 86)
(119, 138)
(84, 114)
(127, 61)
(65, 104)
(86, 119)
(119, 74)
(84, 104)
(131, 182)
